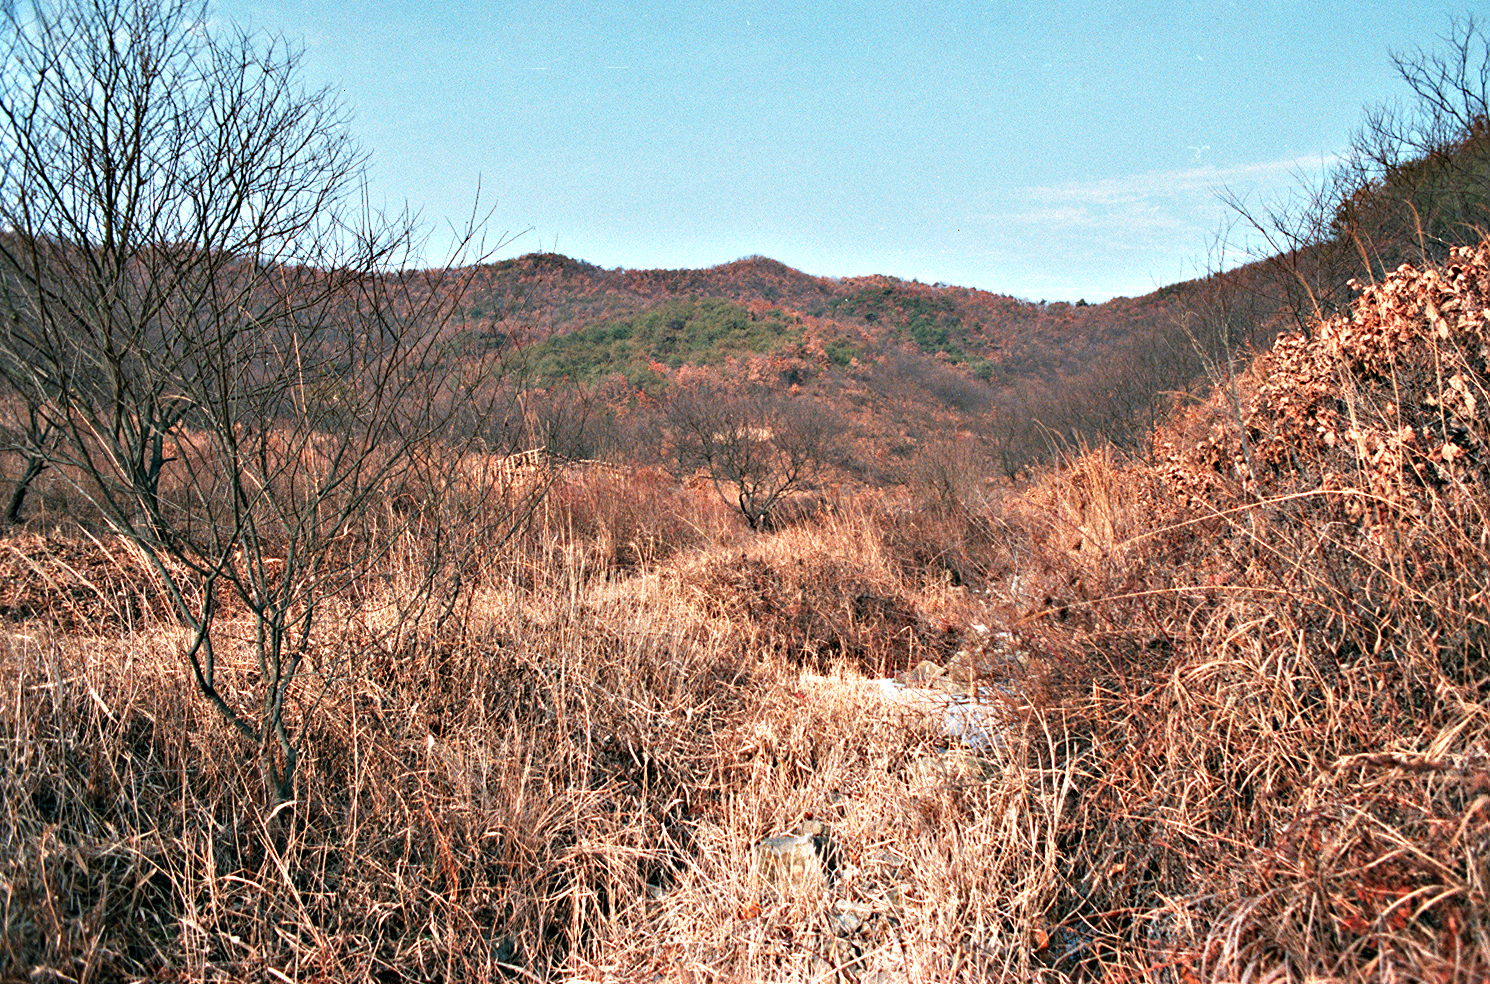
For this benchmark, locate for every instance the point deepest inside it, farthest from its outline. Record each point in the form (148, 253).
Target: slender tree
(756, 448)
(228, 357)
(1414, 184)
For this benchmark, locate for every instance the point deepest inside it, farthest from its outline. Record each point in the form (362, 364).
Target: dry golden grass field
(1239, 729)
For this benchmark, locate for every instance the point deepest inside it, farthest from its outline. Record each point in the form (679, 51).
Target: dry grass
(1274, 680)
(1255, 744)
(518, 795)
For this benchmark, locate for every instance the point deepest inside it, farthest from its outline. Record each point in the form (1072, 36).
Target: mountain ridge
(997, 338)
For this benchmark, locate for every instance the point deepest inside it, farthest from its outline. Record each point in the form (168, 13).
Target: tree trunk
(34, 467)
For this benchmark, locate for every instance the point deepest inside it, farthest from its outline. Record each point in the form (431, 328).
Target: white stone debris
(974, 721)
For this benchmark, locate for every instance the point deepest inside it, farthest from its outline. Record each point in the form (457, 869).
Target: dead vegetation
(1254, 742)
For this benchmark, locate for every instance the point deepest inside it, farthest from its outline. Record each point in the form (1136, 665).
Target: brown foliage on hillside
(1269, 654)
(1240, 705)
(545, 294)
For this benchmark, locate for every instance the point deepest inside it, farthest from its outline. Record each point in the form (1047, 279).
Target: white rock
(790, 860)
(975, 722)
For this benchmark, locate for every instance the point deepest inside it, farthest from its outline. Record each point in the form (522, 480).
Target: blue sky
(1049, 150)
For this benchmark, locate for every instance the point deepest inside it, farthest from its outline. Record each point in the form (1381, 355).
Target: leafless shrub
(211, 342)
(756, 448)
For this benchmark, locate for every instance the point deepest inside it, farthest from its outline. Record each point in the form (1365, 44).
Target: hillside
(990, 336)
(1239, 729)
(911, 366)
(533, 621)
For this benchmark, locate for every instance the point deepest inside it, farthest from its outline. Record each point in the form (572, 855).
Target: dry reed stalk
(1258, 748)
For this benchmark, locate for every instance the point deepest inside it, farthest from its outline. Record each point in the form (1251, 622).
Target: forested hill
(995, 337)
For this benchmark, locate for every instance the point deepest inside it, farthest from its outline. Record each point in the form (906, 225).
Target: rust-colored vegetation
(1247, 735)
(530, 621)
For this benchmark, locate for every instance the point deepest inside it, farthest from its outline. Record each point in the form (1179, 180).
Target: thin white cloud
(1138, 211)
(1136, 229)
(1168, 184)
(1137, 215)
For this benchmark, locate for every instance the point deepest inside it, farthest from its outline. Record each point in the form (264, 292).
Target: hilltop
(910, 365)
(994, 337)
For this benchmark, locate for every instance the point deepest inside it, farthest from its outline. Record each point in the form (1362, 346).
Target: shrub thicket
(1269, 659)
(1247, 738)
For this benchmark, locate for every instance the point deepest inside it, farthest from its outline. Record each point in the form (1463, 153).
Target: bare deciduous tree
(757, 448)
(226, 354)
(26, 429)
(1414, 184)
